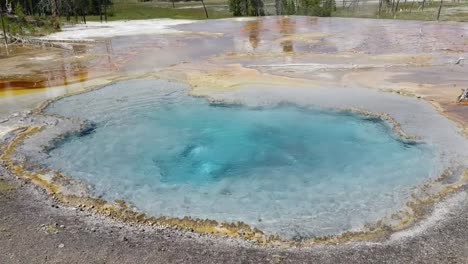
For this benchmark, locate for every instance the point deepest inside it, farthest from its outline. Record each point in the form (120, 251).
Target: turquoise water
(295, 171)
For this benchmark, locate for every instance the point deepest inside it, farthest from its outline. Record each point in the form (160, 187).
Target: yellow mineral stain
(211, 78)
(311, 38)
(119, 210)
(5, 186)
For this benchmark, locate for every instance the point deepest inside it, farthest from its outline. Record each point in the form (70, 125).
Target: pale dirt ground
(33, 229)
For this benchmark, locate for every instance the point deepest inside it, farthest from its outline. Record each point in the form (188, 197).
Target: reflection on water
(286, 27)
(272, 35)
(252, 29)
(261, 32)
(293, 39)
(52, 67)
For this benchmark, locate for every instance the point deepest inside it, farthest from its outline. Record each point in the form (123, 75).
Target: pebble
(51, 123)
(61, 246)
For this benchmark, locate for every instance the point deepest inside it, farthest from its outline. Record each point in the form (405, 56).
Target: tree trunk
(204, 7)
(380, 6)
(83, 15)
(173, 4)
(279, 7)
(100, 10)
(396, 7)
(4, 31)
(105, 10)
(440, 8)
(53, 10)
(424, 2)
(355, 4)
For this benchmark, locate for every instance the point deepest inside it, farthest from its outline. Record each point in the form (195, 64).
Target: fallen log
(459, 61)
(54, 43)
(463, 96)
(34, 41)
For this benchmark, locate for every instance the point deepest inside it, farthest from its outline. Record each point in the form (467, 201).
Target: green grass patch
(133, 9)
(148, 10)
(410, 11)
(462, 17)
(429, 4)
(29, 26)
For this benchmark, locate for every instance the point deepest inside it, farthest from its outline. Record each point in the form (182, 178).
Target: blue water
(295, 171)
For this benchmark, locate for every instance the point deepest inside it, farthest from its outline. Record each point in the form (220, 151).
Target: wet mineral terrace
(410, 57)
(345, 61)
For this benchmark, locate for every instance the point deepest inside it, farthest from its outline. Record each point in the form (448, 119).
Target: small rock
(123, 239)
(459, 61)
(62, 226)
(61, 246)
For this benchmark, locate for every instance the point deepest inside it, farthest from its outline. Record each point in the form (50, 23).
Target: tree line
(78, 9)
(283, 7)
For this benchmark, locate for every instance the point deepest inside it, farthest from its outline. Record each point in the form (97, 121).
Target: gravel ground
(34, 229)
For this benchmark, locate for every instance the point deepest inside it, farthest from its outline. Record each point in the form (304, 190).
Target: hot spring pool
(288, 170)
